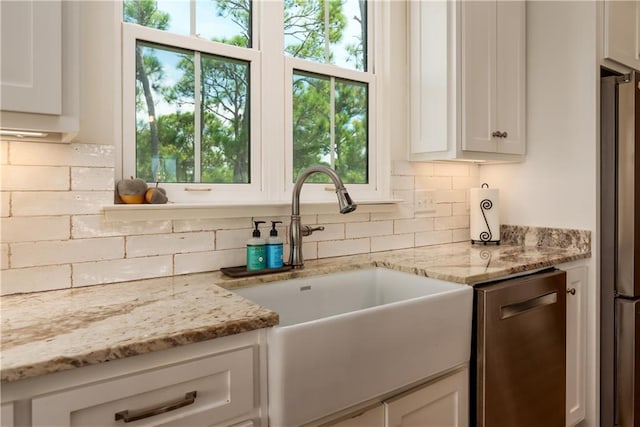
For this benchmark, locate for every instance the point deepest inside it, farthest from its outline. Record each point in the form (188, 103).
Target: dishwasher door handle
(507, 311)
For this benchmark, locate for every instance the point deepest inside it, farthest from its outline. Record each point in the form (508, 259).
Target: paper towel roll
(484, 215)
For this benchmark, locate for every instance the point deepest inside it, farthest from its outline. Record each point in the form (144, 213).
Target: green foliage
(165, 145)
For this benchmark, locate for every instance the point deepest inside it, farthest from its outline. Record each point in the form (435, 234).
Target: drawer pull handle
(511, 310)
(130, 416)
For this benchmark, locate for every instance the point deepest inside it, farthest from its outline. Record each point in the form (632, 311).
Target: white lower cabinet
(442, 402)
(373, 417)
(577, 275)
(6, 414)
(203, 392)
(213, 383)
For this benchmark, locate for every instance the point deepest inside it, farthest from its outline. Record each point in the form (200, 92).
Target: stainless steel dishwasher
(519, 364)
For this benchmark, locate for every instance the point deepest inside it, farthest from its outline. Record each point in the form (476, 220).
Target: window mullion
(197, 116)
(332, 121)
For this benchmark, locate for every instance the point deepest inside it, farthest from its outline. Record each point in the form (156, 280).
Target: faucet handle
(308, 230)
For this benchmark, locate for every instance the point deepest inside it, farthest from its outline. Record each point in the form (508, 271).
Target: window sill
(234, 210)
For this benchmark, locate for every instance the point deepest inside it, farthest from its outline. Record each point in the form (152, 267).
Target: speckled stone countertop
(53, 331)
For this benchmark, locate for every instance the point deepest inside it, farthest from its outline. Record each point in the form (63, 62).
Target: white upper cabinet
(31, 56)
(467, 77)
(493, 69)
(39, 66)
(622, 32)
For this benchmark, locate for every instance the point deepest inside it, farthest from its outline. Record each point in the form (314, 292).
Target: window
(217, 111)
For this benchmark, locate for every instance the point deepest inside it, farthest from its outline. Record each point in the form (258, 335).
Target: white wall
(557, 184)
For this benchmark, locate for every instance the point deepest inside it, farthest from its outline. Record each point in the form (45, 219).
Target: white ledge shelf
(169, 211)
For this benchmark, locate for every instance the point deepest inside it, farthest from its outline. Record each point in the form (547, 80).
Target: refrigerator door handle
(507, 311)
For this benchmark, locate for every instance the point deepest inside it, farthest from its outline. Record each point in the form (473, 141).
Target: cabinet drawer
(223, 386)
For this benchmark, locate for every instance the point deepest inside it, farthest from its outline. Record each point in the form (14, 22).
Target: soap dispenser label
(256, 257)
(274, 256)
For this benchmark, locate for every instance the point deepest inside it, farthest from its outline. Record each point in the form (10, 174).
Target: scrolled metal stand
(485, 236)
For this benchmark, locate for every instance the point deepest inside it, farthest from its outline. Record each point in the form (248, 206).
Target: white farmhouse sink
(348, 337)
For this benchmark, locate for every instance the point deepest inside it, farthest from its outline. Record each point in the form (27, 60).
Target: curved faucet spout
(295, 236)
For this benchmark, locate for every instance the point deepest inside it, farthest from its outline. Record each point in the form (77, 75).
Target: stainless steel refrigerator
(620, 250)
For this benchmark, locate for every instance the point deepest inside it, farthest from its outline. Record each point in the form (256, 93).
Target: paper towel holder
(486, 236)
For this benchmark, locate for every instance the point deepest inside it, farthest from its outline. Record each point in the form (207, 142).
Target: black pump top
(256, 232)
(274, 232)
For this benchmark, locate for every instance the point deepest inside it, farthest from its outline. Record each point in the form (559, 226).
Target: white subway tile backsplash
(29, 203)
(343, 247)
(4, 152)
(464, 182)
(368, 229)
(450, 169)
(54, 234)
(165, 244)
(461, 235)
(443, 209)
(39, 153)
(233, 239)
(87, 226)
(449, 196)
(433, 182)
(460, 208)
(35, 178)
(451, 222)
(92, 178)
(208, 261)
(414, 225)
(180, 226)
(434, 237)
(342, 218)
(386, 243)
(331, 232)
(66, 251)
(309, 251)
(32, 229)
(5, 203)
(52, 154)
(401, 167)
(34, 279)
(4, 256)
(423, 168)
(402, 182)
(121, 270)
(401, 211)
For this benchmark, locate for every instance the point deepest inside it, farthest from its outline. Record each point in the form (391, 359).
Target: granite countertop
(53, 331)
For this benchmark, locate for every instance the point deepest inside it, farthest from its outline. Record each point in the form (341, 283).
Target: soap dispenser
(274, 247)
(256, 249)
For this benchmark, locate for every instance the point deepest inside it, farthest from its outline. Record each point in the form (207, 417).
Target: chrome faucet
(296, 230)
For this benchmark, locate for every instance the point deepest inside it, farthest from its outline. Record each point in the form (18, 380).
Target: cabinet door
(31, 38)
(373, 417)
(6, 414)
(622, 32)
(493, 66)
(202, 392)
(442, 403)
(510, 76)
(479, 75)
(576, 343)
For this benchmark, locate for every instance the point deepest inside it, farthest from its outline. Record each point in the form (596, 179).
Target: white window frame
(271, 109)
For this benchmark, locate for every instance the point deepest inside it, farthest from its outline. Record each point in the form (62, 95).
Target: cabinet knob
(503, 135)
(571, 291)
(496, 134)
